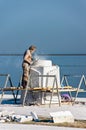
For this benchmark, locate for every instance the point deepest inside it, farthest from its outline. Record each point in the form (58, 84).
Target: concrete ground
(78, 111)
(33, 127)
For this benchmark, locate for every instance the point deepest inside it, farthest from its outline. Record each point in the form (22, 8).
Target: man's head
(32, 48)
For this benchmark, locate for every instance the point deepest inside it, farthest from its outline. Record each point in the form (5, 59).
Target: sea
(71, 66)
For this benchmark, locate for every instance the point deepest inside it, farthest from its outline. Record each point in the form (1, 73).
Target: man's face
(32, 51)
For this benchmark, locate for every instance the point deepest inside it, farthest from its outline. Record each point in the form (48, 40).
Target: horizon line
(45, 54)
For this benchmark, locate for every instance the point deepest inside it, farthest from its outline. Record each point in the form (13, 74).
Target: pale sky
(54, 26)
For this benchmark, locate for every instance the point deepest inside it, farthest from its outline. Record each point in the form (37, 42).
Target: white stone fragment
(5, 113)
(7, 120)
(21, 118)
(6, 116)
(62, 116)
(34, 115)
(2, 121)
(26, 118)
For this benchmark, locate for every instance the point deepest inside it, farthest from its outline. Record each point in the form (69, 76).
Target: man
(27, 61)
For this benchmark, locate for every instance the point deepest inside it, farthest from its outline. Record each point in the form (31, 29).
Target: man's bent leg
(25, 76)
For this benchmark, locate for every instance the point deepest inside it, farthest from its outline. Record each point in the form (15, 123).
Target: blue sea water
(72, 66)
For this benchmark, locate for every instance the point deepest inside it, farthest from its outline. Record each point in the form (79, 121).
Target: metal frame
(52, 91)
(64, 78)
(82, 79)
(58, 90)
(8, 79)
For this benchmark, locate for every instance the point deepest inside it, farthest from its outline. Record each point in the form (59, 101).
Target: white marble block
(44, 67)
(62, 116)
(37, 79)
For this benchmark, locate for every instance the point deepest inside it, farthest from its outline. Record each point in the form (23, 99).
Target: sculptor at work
(27, 62)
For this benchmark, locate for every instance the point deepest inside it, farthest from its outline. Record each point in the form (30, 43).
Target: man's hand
(34, 61)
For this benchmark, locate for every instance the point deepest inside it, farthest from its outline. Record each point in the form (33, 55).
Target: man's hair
(32, 47)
